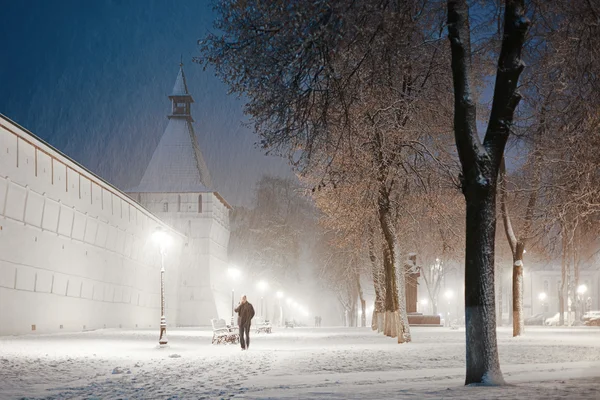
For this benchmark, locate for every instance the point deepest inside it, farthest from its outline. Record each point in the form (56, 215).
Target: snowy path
(305, 363)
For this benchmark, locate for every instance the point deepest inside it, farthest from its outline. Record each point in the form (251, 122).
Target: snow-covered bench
(262, 325)
(222, 333)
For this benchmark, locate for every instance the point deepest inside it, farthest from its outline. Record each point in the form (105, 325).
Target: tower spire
(180, 97)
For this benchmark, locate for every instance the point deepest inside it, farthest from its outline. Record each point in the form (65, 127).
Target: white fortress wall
(75, 252)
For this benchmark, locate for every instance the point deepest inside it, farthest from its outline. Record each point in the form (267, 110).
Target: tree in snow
(322, 76)
(562, 99)
(480, 161)
(267, 239)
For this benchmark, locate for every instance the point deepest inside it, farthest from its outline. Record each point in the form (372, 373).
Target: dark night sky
(91, 78)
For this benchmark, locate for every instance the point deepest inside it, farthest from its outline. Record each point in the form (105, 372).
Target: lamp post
(449, 295)
(581, 291)
(234, 274)
(279, 295)
(262, 286)
(423, 304)
(543, 296)
(162, 239)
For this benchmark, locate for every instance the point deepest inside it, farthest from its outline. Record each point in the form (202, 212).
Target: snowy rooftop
(177, 165)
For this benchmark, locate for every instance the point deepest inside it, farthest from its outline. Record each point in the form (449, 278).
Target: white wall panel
(74, 286)
(111, 241)
(88, 289)
(73, 194)
(43, 282)
(7, 274)
(35, 209)
(79, 226)
(50, 221)
(3, 189)
(91, 230)
(106, 202)
(120, 245)
(65, 224)
(96, 198)
(59, 171)
(26, 162)
(25, 278)
(102, 236)
(59, 285)
(44, 170)
(8, 152)
(85, 187)
(15, 201)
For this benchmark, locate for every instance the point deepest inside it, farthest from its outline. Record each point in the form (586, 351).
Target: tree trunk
(363, 303)
(402, 315)
(378, 279)
(483, 365)
(389, 268)
(393, 303)
(500, 294)
(517, 283)
(374, 317)
(562, 295)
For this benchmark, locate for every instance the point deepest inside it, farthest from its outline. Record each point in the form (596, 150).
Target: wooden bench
(222, 333)
(262, 326)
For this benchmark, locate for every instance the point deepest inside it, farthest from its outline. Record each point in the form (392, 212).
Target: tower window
(165, 207)
(199, 203)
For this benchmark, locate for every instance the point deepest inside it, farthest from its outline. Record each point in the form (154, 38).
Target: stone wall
(75, 252)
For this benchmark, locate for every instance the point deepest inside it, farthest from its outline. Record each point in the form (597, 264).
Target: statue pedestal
(418, 319)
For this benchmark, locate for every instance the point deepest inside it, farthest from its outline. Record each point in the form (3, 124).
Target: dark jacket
(245, 313)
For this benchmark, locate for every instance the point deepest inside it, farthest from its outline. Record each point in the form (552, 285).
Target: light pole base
(163, 331)
(163, 336)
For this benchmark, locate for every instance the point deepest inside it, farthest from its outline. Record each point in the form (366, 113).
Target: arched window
(165, 207)
(199, 203)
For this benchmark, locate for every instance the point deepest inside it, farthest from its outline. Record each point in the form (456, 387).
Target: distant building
(177, 188)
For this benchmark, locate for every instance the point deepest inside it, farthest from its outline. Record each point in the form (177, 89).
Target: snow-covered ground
(308, 363)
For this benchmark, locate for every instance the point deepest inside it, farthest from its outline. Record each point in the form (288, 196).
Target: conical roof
(180, 88)
(177, 165)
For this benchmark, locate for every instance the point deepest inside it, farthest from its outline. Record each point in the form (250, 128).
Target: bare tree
(517, 243)
(480, 161)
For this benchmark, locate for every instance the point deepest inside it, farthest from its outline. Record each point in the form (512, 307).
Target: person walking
(245, 314)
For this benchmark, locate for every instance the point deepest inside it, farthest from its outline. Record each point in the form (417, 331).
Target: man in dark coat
(245, 314)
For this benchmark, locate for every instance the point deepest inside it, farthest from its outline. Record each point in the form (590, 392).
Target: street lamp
(423, 303)
(581, 289)
(449, 294)
(162, 239)
(234, 274)
(543, 296)
(279, 296)
(262, 286)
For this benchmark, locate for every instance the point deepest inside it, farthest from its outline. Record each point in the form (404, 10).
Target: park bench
(262, 325)
(222, 333)
(290, 324)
